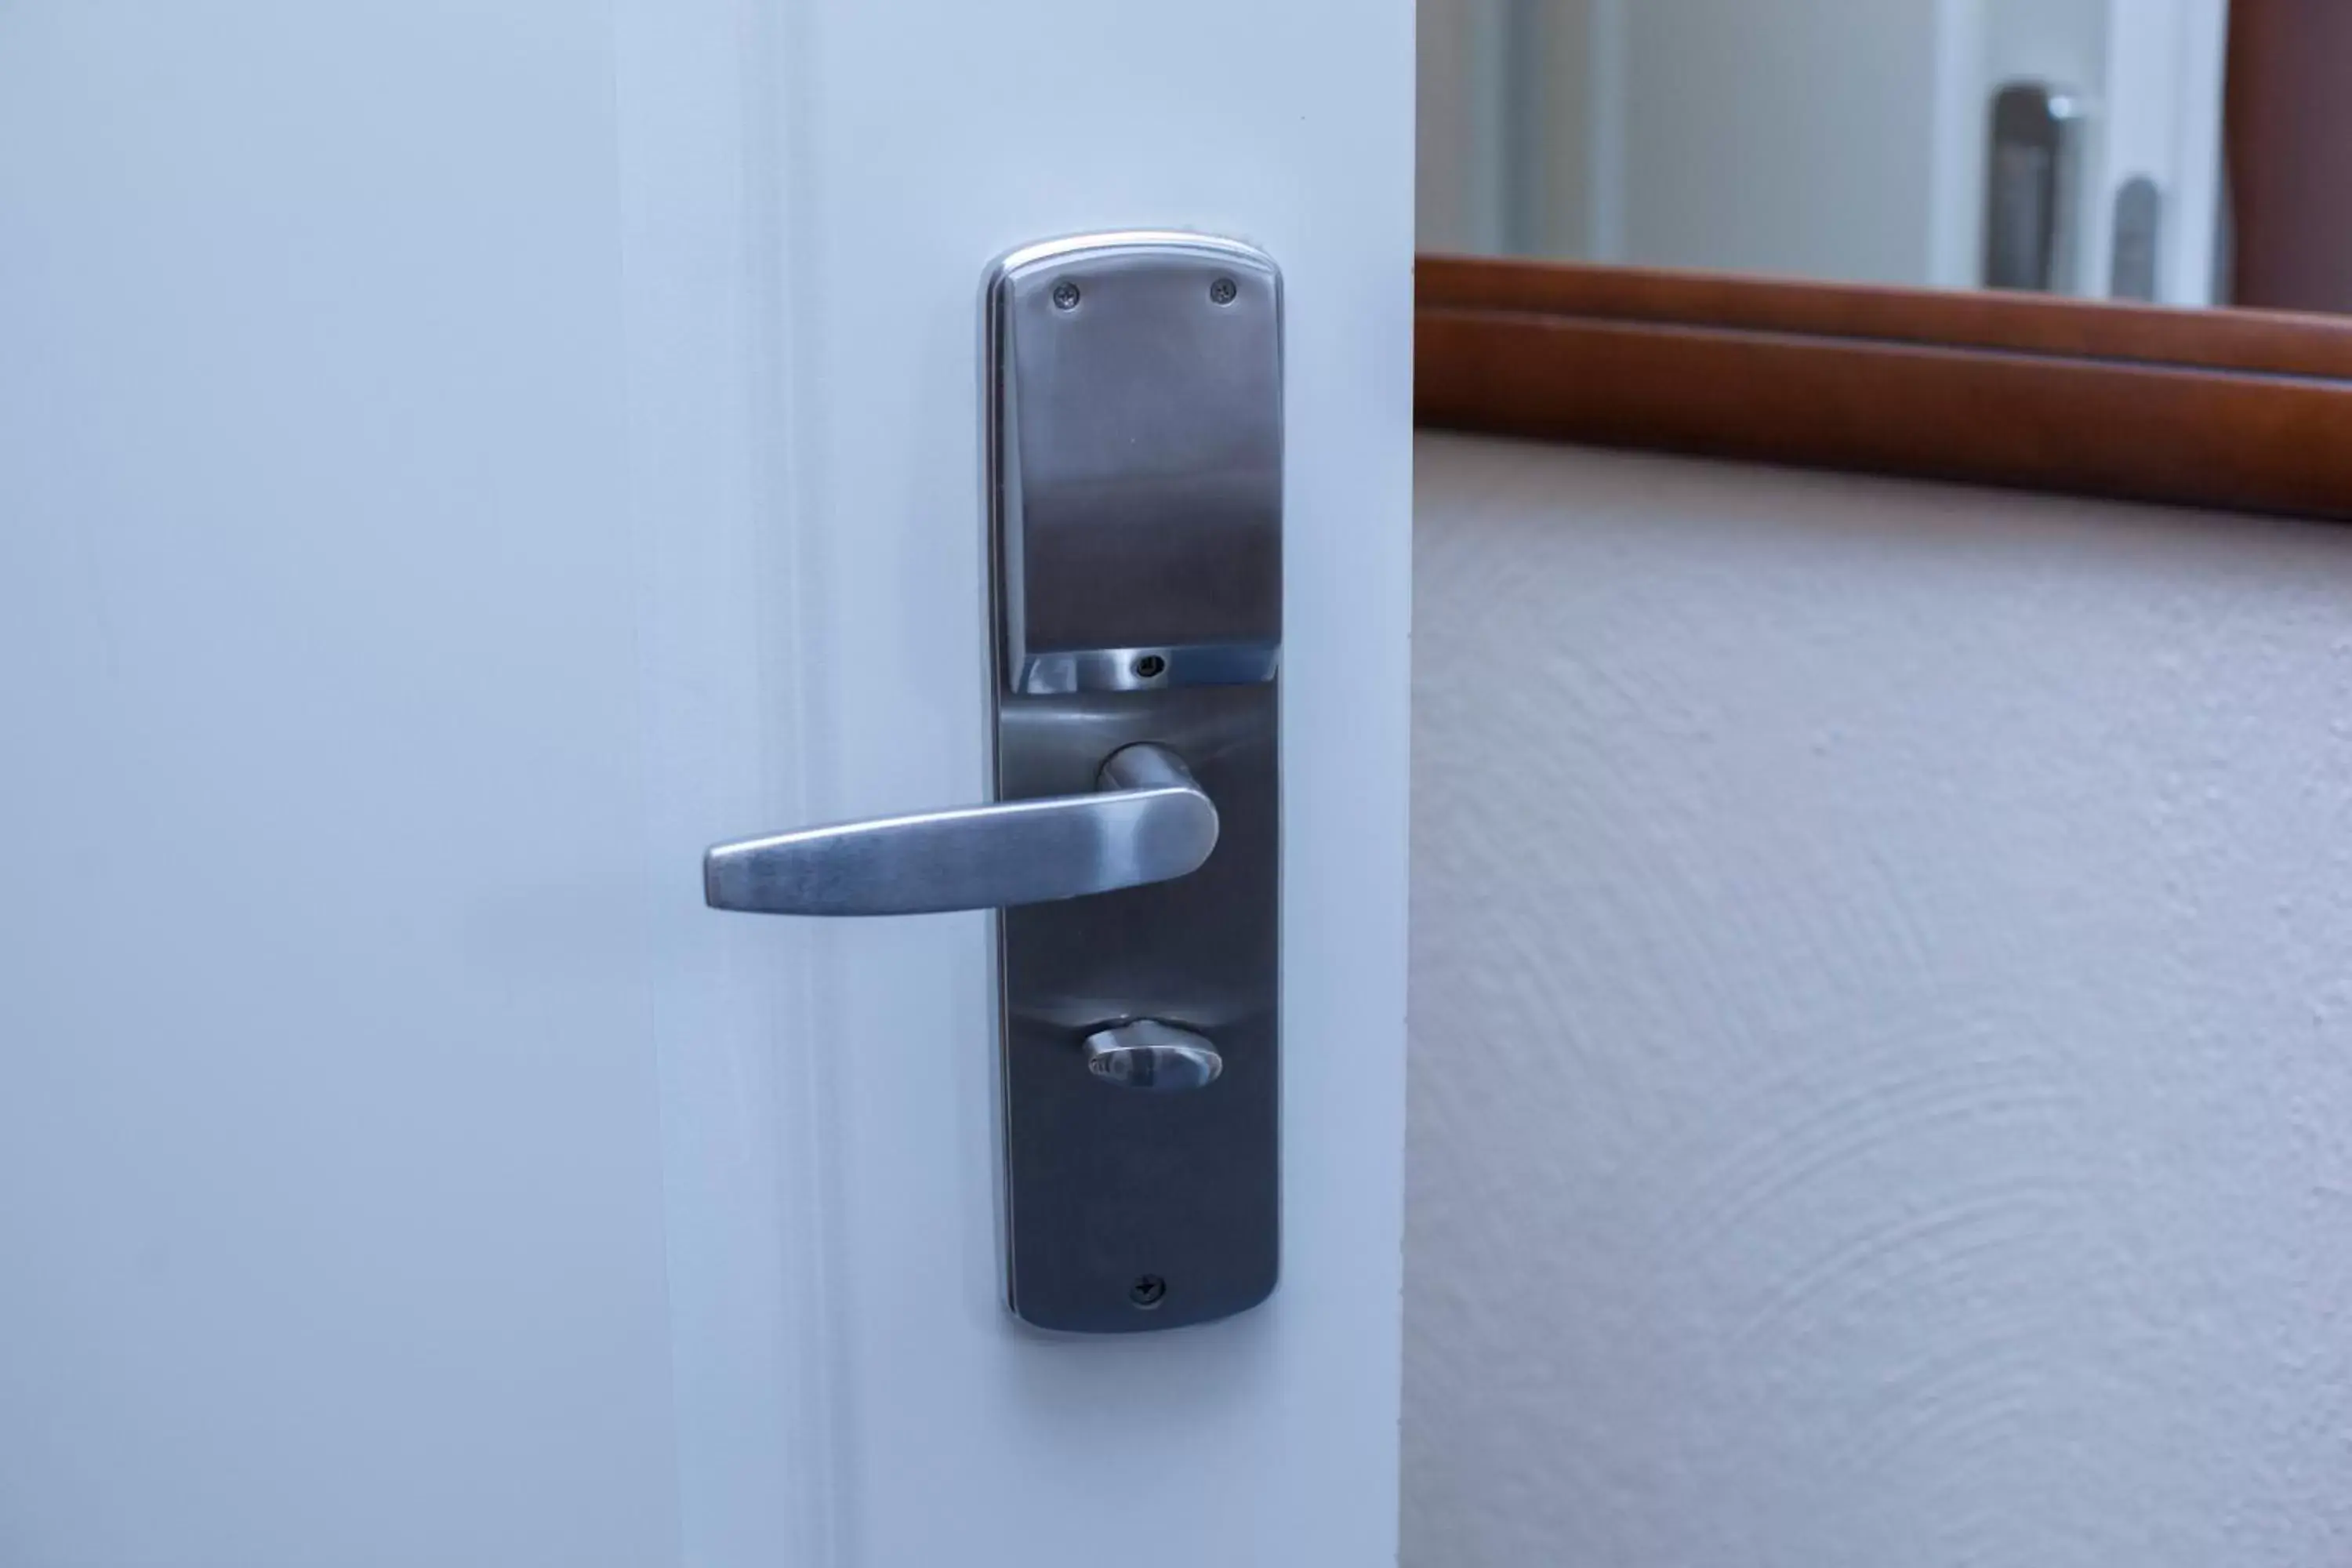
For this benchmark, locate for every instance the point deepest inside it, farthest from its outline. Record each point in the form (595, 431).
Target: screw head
(1065, 295)
(1148, 1291)
(1222, 291)
(1150, 666)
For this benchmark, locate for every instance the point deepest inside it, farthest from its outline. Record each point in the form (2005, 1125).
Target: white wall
(1882, 1085)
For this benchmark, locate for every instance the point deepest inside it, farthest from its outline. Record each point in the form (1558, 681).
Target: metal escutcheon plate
(1135, 452)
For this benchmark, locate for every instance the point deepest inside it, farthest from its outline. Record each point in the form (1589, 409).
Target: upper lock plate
(1138, 451)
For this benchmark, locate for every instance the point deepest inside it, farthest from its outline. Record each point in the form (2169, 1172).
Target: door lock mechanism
(1133, 849)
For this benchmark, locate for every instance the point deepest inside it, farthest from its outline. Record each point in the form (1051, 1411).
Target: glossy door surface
(459, 461)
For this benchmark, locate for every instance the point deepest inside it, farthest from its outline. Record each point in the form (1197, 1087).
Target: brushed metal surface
(1135, 449)
(1147, 822)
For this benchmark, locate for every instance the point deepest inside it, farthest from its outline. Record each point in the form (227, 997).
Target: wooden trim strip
(2219, 409)
(2272, 341)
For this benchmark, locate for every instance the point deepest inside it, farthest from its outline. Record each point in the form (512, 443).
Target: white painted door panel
(456, 461)
(330, 1156)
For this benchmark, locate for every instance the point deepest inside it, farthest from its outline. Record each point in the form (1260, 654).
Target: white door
(456, 461)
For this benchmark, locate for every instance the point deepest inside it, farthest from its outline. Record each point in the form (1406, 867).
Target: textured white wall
(1881, 1083)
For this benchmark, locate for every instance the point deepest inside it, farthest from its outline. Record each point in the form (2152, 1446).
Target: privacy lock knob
(1148, 1054)
(1147, 822)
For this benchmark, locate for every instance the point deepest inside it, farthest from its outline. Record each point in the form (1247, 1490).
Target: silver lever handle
(1148, 822)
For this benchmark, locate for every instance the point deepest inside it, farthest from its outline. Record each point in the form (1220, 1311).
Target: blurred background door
(1836, 140)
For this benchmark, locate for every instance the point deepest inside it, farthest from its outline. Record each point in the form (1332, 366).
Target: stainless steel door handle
(1148, 822)
(1134, 495)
